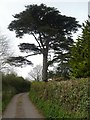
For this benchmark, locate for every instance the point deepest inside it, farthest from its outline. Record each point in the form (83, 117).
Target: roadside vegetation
(0, 102)
(0, 94)
(64, 99)
(11, 85)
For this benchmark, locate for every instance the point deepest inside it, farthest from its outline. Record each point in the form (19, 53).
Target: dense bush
(80, 54)
(65, 99)
(11, 85)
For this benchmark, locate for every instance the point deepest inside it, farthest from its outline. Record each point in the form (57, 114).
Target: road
(21, 107)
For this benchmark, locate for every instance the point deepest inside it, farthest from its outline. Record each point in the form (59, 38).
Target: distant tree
(5, 51)
(80, 57)
(36, 73)
(49, 28)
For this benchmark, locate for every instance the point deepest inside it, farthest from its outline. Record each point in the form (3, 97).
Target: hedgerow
(65, 99)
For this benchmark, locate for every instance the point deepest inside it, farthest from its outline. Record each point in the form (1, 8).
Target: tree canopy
(51, 30)
(80, 57)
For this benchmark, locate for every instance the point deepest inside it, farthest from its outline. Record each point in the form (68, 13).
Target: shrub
(65, 99)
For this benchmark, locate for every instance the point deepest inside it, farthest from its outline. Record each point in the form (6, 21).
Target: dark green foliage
(19, 83)
(65, 99)
(18, 61)
(28, 47)
(11, 85)
(51, 30)
(51, 74)
(47, 20)
(80, 56)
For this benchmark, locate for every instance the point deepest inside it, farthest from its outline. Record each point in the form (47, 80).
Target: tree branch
(36, 40)
(32, 54)
(18, 61)
(41, 41)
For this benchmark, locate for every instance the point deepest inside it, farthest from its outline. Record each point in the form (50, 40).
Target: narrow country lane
(21, 107)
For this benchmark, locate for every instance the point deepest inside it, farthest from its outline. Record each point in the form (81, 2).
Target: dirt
(21, 107)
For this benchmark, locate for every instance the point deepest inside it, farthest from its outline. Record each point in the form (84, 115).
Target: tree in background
(36, 73)
(5, 51)
(80, 57)
(50, 29)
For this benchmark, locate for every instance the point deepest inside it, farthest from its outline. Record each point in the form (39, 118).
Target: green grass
(65, 99)
(0, 106)
(0, 102)
(6, 97)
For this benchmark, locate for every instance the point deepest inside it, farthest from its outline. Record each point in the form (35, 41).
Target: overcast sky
(76, 9)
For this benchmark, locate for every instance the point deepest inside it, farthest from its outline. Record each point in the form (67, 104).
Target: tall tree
(47, 26)
(80, 58)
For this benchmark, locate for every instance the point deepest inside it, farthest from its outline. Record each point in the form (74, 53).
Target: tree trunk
(45, 67)
(45, 61)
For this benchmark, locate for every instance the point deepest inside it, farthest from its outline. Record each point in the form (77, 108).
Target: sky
(73, 8)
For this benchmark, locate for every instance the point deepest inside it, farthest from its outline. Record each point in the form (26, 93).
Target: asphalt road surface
(21, 107)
